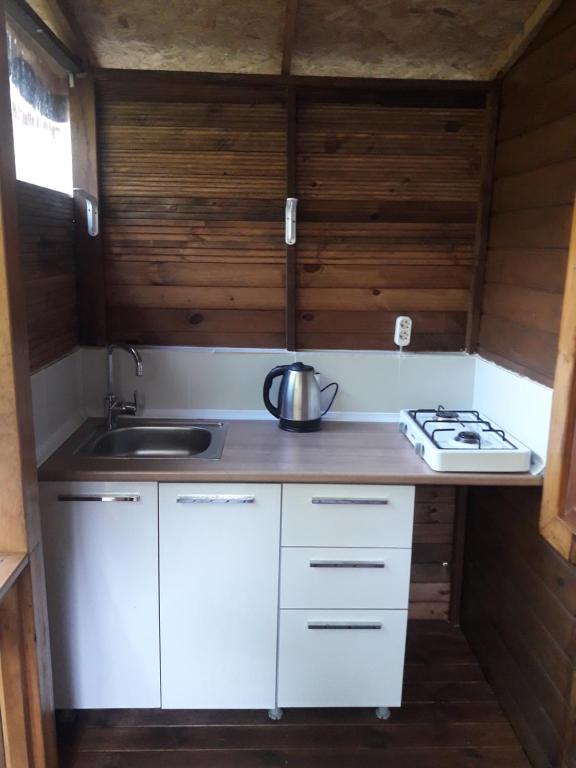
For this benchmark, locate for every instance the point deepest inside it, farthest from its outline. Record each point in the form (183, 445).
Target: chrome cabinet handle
(347, 564)
(354, 625)
(336, 500)
(105, 497)
(216, 498)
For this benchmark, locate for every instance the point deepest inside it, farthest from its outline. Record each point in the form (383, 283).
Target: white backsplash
(226, 382)
(518, 404)
(57, 403)
(183, 382)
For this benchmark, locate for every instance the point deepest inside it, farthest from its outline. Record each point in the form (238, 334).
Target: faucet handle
(135, 403)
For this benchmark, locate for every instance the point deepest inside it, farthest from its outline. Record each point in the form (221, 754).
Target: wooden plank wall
(519, 615)
(388, 191)
(45, 223)
(194, 178)
(433, 552)
(193, 188)
(535, 183)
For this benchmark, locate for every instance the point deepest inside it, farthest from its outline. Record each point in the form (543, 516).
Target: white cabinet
(346, 553)
(101, 550)
(210, 574)
(219, 562)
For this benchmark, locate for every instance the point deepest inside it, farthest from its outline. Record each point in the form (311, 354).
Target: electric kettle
(299, 408)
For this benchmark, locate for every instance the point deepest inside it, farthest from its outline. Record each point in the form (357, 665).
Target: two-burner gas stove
(463, 441)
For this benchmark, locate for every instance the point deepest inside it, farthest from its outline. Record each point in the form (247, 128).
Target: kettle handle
(274, 373)
(331, 403)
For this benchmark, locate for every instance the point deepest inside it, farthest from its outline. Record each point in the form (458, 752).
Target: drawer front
(344, 578)
(347, 515)
(341, 658)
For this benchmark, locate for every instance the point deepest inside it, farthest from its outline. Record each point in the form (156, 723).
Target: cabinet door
(101, 551)
(219, 559)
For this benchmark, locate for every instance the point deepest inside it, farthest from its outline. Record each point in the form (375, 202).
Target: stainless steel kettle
(299, 397)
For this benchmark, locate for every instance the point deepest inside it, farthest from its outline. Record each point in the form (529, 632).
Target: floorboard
(450, 719)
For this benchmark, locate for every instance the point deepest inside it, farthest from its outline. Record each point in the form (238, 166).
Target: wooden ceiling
(417, 39)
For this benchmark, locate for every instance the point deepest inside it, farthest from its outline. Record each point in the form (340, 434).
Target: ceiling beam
(27, 19)
(66, 8)
(289, 37)
(522, 40)
(376, 84)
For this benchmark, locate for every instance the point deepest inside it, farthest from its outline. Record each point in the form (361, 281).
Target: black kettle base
(300, 426)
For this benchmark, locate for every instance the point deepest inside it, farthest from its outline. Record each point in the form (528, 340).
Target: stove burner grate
(443, 415)
(440, 415)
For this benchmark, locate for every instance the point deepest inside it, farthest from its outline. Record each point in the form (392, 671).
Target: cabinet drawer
(347, 515)
(344, 578)
(341, 658)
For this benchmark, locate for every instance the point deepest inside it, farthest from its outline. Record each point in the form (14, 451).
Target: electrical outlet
(403, 331)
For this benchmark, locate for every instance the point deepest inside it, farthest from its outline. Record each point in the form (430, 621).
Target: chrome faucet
(114, 405)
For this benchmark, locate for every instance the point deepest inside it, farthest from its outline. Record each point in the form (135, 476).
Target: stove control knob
(403, 428)
(419, 448)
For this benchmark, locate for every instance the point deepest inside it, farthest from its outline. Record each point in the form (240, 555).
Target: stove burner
(468, 437)
(443, 415)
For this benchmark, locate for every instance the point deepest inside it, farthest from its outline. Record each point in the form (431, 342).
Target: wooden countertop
(257, 451)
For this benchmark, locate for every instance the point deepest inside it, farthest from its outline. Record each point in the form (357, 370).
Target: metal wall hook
(92, 214)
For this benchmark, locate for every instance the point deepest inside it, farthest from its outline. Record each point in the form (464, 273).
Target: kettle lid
(300, 367)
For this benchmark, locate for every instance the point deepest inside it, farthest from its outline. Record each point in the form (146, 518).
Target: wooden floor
(450, 719)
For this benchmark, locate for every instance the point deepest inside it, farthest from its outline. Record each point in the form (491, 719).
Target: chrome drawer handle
(106, 497)
(216, 498)
(336, 500)
(362, 625)
(346, 564)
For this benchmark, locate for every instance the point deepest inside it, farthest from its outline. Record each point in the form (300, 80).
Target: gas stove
(463, 441)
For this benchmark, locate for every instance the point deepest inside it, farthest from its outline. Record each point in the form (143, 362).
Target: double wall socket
(403, 331)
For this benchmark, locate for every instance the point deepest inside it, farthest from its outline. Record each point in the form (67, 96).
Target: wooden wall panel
(534, 187)
(193, 180)
(432, 554)
(192, 193)
(388, 198)
(45, 220)
(520, 617)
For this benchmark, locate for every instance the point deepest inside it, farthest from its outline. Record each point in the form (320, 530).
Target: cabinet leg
(383, 713)
(276, 713)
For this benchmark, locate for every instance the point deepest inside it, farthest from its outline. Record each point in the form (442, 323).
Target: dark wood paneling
(449, 719)
(433, 553)
(535, 183)
(193, 185)
(45, 221)
(195, 172)
(388, 198)
(519, 616)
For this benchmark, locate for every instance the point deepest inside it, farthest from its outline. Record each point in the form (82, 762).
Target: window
(40, 114)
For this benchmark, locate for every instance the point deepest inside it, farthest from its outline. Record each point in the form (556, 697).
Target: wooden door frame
(557, 523)
(27, 647)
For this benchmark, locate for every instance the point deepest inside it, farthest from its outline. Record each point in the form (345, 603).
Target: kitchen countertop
(257, 451)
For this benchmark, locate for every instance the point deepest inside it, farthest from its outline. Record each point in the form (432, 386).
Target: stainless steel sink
(156, 440)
